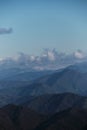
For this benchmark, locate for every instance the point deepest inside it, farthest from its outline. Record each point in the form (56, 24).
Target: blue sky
(38, 24)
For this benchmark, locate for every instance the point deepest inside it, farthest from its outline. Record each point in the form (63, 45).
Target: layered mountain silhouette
(21, 74)
(14, 117)
(46, 100)
(19, 118)
(68, 80)
(53, 103)
(71, 119)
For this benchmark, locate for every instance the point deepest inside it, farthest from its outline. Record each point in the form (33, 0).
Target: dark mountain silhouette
(52, 103)
(71, 119)
(19, 118)
(14, 117)
(85, 127)
(65, 111)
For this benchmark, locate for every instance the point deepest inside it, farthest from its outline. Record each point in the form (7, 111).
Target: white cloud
(50, 59)
(79, 54)
(51, 55)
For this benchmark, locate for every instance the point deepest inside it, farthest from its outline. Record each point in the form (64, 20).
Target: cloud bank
(48, 60)
(6, 31)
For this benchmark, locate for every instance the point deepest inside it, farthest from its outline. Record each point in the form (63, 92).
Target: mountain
(63, 81)
(15, 77)
(43, 100)
(70, 119)
(14, 117)
(5, 122)
(44, 104)
(67, 80)
(27, 76)
(20, 74)
(53, 103)
(81, 67)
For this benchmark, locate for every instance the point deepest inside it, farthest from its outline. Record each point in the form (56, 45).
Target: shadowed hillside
(71, 119)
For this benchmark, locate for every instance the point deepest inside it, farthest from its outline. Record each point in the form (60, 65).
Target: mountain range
(72, 79)
(53, 103)
(74, 117)
(44, 100)
(71, 119)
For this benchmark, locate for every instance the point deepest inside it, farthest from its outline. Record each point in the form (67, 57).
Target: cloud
(48, 60)
(50, 54)
(6, 31)
(79, 54)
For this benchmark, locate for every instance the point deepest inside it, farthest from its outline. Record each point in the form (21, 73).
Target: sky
(28, 26)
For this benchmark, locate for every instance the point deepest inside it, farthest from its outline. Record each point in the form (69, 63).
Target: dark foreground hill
(19, 118)
(71, 119)
(22, 118)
